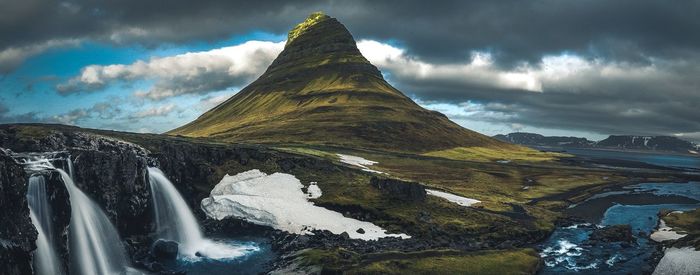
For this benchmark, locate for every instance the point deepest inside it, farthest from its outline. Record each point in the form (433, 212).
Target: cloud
(209, 102)
(513, 31)
(479, 72)
(162, 110)
(562, 91)
(72, 117)
(189, 73)
(13, 57)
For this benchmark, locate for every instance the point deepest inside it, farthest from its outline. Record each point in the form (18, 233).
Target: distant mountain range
(624, 142)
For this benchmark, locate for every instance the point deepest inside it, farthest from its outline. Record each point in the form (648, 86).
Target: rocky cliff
(17, 234)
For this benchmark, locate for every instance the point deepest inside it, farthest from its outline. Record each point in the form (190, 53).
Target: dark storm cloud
(441, 30)
(643, 56)
(661, 99)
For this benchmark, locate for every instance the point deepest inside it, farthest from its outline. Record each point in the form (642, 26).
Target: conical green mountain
(321, 90)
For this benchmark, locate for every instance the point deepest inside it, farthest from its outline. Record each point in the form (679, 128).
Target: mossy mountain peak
(321, 90)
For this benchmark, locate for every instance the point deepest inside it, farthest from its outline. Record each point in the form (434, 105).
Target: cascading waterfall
(175, 222)
(94, 242)
(45, 259)
(95, 246)
(174, 219)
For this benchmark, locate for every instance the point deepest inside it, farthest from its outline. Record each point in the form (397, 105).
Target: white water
(45, 259)
(176, 222)
(174, 219)
(94, 242)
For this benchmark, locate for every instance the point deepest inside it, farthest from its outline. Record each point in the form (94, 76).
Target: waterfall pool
(256, 255)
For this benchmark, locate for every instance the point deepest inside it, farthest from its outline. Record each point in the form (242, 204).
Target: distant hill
(320, 90)
(658, 143)
(622, 142)
(530, 139)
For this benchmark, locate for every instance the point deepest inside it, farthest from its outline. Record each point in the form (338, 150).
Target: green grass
(511, 153)
(517, 261)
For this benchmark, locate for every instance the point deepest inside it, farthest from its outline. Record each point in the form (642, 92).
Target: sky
(586, 68)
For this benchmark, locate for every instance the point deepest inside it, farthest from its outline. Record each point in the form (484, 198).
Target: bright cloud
(189, 73)
(480, 70)
(162, 110)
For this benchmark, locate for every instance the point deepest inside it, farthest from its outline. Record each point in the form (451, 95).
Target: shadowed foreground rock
(404, 190)
(17, 233)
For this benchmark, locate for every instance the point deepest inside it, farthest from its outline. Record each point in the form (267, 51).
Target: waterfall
(94, 242)
(70, 167)
(175, 222)
(45, 259)
(174, 219)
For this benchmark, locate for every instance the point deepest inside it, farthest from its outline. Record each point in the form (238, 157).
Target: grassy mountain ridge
(321, 90)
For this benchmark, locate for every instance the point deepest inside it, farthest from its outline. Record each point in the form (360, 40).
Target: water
(660, 159)
(258, 256)
(45, 260)
(174, 219)
(568, 250)
(176, 222)
(94, 242)
(37, 198)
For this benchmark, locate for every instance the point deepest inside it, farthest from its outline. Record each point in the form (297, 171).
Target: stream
(570, 250)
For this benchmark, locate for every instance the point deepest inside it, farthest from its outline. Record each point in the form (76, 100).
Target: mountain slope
(321, 90)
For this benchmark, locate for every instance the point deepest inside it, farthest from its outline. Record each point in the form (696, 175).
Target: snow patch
(452, 198)
(665, 233)
(359, 162)
(277, 201)
(679, 261)
(313, 191)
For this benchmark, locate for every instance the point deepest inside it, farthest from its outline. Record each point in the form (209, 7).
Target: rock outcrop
(17, 233)
(613, 233)
(404, 190)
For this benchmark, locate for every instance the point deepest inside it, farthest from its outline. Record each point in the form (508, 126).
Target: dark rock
(164, 250)
(613, 233)
(404, 190)
(17, 233)
(360, 230)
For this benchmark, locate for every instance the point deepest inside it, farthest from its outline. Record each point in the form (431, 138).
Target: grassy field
(516, 261)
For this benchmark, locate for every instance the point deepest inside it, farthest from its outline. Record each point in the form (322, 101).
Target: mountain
(530, 139)
(627, 142)
(320, 90)
(657, 143)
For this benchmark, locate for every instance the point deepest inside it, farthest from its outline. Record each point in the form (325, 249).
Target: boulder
(163, 250)
(403, 190)
(613, 233)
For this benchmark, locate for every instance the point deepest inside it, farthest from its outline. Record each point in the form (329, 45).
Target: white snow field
(452, 198)
(359, 162)
(277, 201)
